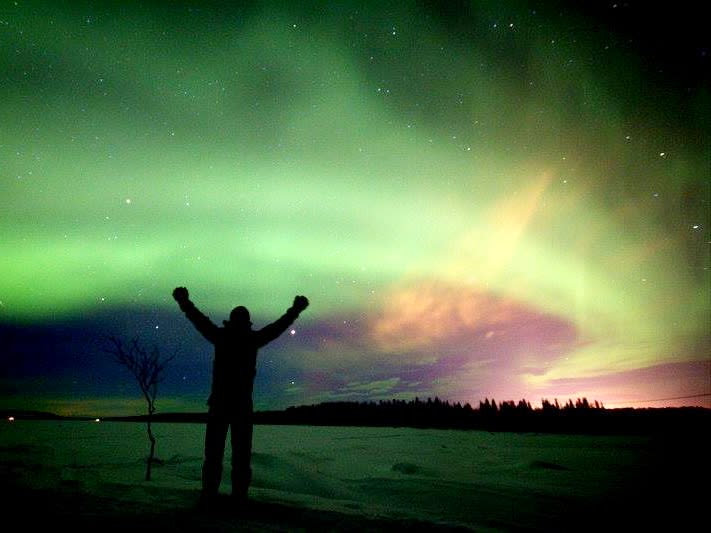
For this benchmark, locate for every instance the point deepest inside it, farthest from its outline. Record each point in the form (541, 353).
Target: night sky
(480, 199)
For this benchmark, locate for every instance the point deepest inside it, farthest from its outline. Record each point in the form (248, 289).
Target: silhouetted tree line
(579, 416)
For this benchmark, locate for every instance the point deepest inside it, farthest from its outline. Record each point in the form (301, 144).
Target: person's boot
(240, 487)
(211, 474)
(240, 497)
(207, 501)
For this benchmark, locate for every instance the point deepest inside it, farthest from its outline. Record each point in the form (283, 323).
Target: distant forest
(579, 416)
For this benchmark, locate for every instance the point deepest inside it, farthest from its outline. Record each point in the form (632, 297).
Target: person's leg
(215, 435)
(241, 438)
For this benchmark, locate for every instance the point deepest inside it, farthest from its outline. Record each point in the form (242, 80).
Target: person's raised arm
(276, 328)
(201, 322)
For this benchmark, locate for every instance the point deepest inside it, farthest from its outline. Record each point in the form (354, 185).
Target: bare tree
(146, 366)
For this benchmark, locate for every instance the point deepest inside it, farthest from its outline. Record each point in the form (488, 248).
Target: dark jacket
(235, 362)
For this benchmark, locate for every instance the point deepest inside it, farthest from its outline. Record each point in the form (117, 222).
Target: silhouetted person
(230, 402)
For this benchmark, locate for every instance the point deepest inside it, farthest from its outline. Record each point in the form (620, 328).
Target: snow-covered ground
(88, 474)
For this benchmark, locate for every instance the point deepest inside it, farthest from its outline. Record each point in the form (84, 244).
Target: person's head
(239, 318)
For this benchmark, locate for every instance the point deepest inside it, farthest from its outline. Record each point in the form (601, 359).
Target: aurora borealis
(480, 199)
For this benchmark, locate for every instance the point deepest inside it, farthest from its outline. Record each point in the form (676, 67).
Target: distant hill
(20, 414)
(23, 414)
(190, 418)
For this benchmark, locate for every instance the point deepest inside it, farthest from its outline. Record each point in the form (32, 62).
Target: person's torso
(234, 366)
